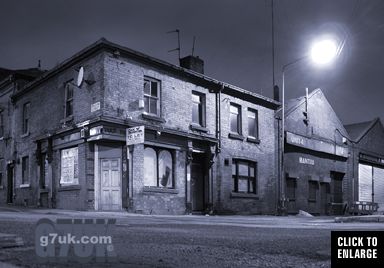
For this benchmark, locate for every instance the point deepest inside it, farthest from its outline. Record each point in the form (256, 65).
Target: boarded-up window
(313, 188)
(69, 166)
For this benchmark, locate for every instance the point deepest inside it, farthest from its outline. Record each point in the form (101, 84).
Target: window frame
(68, 100)
(236, 177)
(25, 170)
(256, 121)
(158, 150)
(26, 117)
(238, 118)
(151, 80)
(201, 108)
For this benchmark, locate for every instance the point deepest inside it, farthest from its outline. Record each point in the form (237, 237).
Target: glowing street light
(322, 53)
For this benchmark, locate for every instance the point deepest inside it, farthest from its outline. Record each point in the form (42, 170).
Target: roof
(358, 130)
(4, 73)
(8, 75)
(293, 104)
(105, 44)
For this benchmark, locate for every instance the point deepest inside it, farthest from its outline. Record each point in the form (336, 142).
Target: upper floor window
(1, 124)
(68, 101)
(198, 108)
(25, 170)
(235, 118)
(158, 168)
(253, 129)
(244, 175)
(26, 116)
(152, 96)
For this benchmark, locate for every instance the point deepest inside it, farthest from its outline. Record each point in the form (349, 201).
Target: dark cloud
(233, 37)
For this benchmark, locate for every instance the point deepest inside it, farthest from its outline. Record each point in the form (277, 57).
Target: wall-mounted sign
(95, 107)
(306, 161)
(316, 145)
(135, 135)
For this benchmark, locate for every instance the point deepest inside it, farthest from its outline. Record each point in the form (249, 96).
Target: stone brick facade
(108, 175)
(315, 159)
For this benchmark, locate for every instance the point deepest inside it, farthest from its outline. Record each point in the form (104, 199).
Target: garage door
(368, 176)
(378, 186)
(365, 183)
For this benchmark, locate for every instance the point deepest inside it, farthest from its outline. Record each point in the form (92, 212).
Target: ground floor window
(158, 167)
(244, 175)
(69, 166)
(25, 170)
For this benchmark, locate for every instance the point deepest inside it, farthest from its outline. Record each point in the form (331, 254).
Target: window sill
(25, 185)
(69, 187)
(44, 190)
(198, 128)
(253, 140)
(154, 189)
(24, 135)
(1, 187)
(244, 195)
(67, 119)
(235, 136)
(153, 117)
(1, 138)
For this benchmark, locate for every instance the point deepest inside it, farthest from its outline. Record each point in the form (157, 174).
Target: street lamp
(322, 53)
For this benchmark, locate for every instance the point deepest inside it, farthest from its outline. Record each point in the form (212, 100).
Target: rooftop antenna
(193, 45)
(178, 41)
(39, 64)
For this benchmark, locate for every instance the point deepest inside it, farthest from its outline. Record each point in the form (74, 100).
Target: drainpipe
(218, 117)
(218, 149)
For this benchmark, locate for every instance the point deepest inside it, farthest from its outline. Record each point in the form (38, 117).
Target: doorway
(324, 198)
(110, 184)
(10, 184)
(198, 180)
(291, 187)
(337, 192)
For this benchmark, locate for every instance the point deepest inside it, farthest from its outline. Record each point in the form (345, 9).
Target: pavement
(124, 214)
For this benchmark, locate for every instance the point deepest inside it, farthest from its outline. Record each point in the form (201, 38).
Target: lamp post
(322, 53)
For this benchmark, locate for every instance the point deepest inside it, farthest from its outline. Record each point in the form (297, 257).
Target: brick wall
(124, 79)
(263, 153)
(46, 115)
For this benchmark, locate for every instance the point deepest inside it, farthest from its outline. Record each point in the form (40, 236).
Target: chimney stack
(192, 63)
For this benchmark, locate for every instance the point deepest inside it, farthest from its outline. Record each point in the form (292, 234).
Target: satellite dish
(80, 77)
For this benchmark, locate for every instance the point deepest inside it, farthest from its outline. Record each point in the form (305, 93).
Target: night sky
(233, 38)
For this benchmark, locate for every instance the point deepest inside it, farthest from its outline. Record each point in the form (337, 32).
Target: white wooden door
(110, 188)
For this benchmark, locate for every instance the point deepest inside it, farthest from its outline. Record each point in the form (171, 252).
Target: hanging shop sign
(135, 135)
